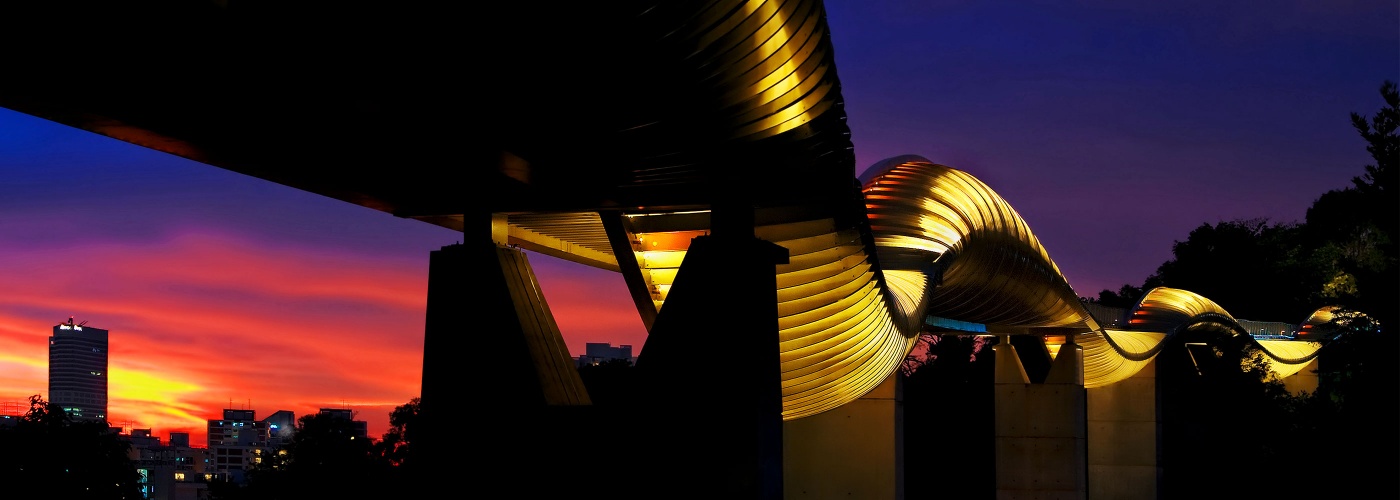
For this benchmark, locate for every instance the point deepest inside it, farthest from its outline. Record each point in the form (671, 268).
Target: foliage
(610, 383)
(47, 454)
(948, 412)
(1355, 229)
(396, 445)
(1251, 267)
(929, 347)
(1126, 297)
(1381, 141)
(1223, 414)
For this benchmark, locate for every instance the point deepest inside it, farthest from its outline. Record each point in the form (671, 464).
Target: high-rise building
(239, 441)
(236, 443)
(78, 370)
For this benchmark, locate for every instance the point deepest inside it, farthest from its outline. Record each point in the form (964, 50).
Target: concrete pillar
(525, 398)
(712, 425)
(853, 451)
(1303, 381)
(1123, 433)
(1040, 428)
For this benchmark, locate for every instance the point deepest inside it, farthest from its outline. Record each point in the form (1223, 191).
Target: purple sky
(1114, 128)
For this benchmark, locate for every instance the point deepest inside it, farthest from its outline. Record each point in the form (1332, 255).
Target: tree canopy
(48, 454)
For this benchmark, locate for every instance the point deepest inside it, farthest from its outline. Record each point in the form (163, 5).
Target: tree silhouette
(609, 383)
(1224, 416)
(48, 454)
(396, 445)
(948, 415)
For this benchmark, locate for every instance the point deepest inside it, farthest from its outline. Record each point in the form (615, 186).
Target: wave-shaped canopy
(939, 242)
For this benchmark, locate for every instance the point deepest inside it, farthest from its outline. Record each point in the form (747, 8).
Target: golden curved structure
(1326, 321)
(951, 228)
(1115, 355)
(942, 243)
(1165, 312)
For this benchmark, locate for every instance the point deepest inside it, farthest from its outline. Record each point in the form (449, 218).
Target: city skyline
(1114, 130)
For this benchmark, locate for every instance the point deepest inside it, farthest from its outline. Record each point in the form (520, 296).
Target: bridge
(698, 149)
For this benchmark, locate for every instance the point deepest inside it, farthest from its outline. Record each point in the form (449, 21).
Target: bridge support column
(853, 451)
(1304, 380)
(499, 388)
(1040, 428)
(1123, 433)
(711, 385)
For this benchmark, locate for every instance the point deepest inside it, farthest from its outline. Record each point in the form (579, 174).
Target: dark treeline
(48, 454)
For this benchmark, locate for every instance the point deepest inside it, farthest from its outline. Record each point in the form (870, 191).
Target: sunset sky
(1114, 128)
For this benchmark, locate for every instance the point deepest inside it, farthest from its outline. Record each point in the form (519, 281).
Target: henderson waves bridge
(698, 149)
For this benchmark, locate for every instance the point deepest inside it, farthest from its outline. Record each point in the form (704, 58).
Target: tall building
(78, 370)
(237, 442)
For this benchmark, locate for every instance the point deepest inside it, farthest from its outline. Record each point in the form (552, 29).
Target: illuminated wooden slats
(799, 261)
(769, 64)
(818, 311)
(811, 105)
(662, 276)
(788, 280)
(805, 292)
(874, 369)
(819, 352)
(787, 44)
(884, 343)
(774, 79)
(669, 259)
(813, 340)
(835, 301)
(829, 371)
(907, 288)
(1289, 352)
(790, 231)
(804, 245)
(814, 372)
(994, 270)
